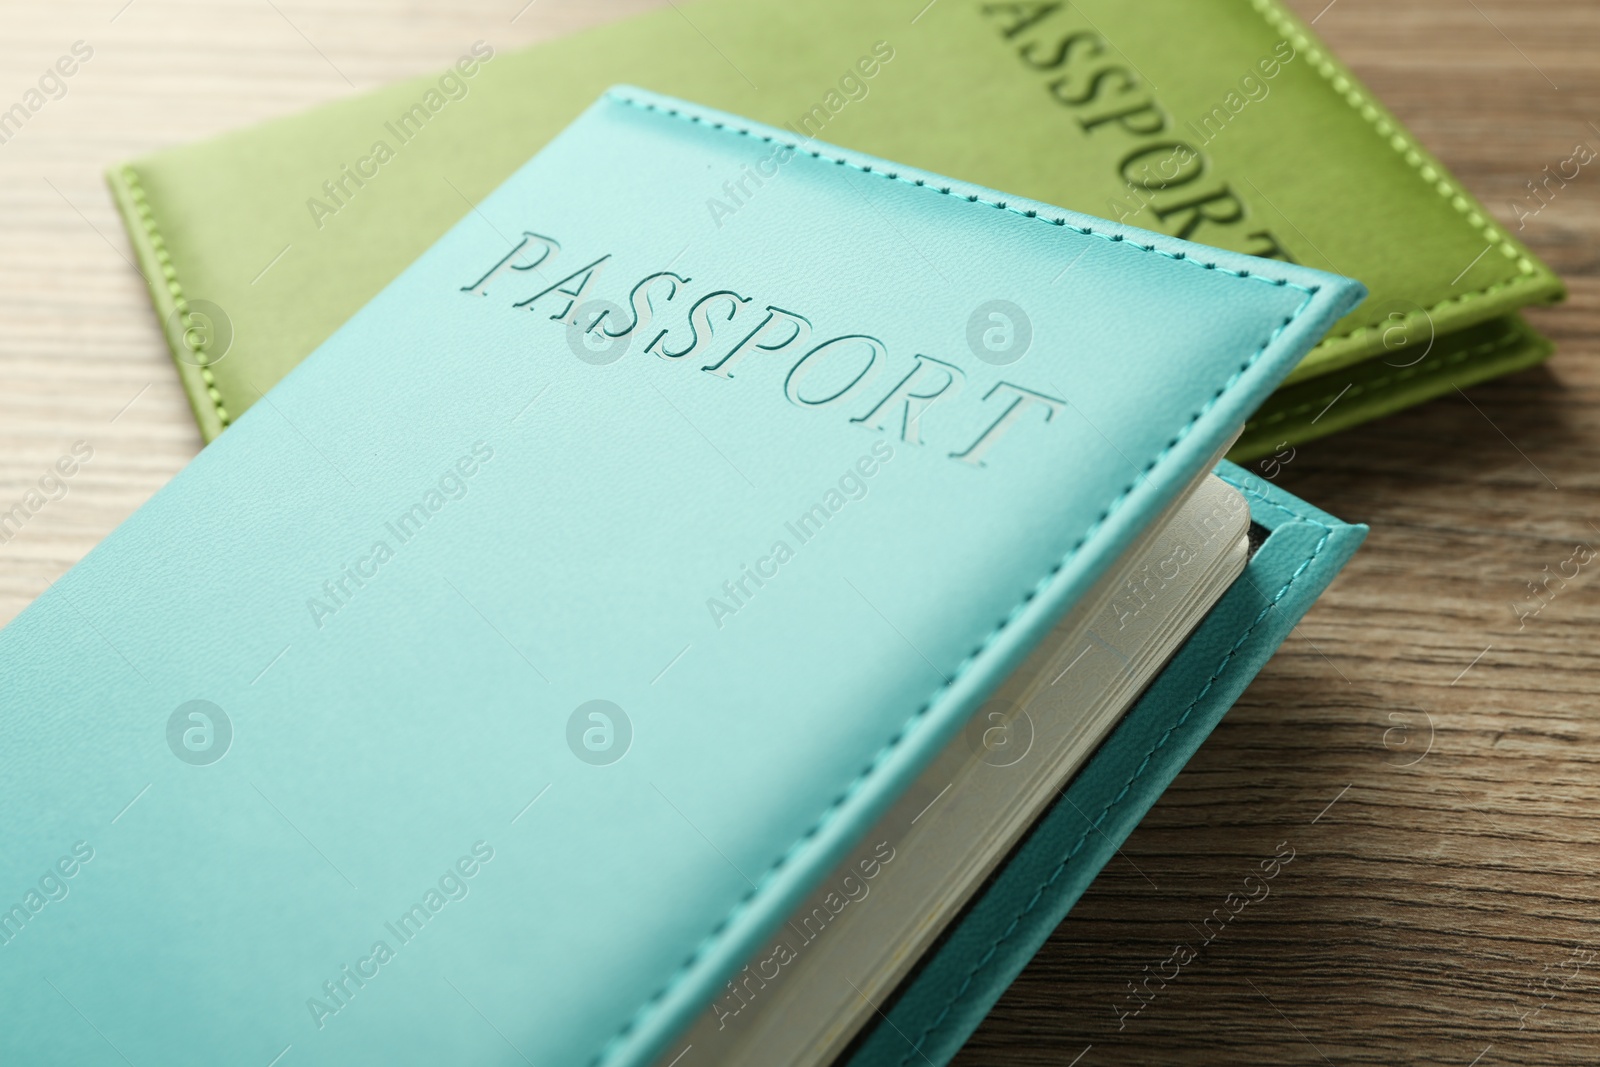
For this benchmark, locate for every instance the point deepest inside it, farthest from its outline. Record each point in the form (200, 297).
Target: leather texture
(941, 1004)
(1307, 159)
(405, 606)
(1380, 386)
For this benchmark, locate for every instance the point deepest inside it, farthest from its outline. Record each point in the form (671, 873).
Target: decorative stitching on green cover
(1509, 341)
(169, 274)
(1087, 231)
(607, 1049)
(1401, 142)
(1038, 893)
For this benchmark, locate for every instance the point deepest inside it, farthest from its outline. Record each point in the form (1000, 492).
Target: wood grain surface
(1432, 760)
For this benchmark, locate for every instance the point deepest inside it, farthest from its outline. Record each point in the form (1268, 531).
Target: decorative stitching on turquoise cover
(1256, 494)
(889, 175)
(607, 1049)
(1038, 893)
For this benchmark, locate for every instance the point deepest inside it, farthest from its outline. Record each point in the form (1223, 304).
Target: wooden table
(1430, 760)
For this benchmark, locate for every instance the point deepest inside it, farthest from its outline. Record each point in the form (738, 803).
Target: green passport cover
(1221, 121)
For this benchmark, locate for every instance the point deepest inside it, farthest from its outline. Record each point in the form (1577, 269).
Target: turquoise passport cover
(496, 718)
(939, 1006)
